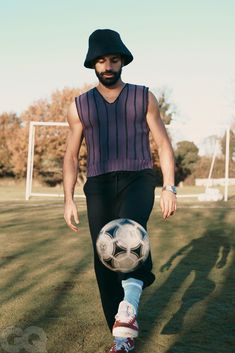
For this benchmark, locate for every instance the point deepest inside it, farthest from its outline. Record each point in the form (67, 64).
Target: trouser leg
(100, 209)
(136, 202)
(108, 198)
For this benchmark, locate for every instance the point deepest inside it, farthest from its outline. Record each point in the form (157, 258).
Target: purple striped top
(117, 133)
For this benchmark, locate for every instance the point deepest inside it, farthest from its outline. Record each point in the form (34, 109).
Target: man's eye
(100, 60)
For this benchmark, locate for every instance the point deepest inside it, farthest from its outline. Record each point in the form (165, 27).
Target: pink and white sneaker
(124, 346)
(125, 324)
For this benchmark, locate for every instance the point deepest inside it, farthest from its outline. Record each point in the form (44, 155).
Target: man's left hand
(167, 203)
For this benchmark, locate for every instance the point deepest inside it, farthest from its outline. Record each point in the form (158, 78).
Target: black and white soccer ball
(123, 245)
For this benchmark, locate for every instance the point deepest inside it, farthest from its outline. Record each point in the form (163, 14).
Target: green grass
(10, 190)
(47, 279)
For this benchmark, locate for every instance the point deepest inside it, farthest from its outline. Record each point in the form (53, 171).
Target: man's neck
(112, 89)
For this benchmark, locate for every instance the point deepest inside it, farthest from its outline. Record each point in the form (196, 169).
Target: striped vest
(116, 134)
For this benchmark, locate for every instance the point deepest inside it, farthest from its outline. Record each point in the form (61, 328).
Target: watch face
(171, 188)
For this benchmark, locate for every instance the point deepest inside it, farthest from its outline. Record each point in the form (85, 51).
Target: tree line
(50, 143)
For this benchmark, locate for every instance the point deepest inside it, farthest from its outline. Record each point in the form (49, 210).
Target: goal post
(226, 177)
(31, 144)
(30, 164)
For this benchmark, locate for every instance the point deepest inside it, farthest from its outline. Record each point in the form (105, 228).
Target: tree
(203, 165)
(11, 138)
(166, 108)
(231, 145)
(166, 112)
(186, 156)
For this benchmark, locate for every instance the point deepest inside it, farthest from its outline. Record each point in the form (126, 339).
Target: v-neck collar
(117, 96)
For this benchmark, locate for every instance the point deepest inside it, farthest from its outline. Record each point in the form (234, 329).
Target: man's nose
(108, 65)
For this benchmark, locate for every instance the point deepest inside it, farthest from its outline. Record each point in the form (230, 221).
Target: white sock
(132, 291)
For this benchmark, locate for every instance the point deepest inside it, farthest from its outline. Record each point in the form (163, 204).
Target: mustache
(108, 72)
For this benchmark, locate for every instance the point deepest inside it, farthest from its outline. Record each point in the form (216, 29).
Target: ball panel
(123, 245)
(105, 245)
(124, 262)
(128, 236)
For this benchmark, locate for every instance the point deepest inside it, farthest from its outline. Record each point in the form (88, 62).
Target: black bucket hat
(105, 42)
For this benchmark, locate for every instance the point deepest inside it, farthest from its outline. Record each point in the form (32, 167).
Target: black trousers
(120, 194)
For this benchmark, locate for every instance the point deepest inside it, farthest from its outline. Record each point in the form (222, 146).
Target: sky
(186, 48)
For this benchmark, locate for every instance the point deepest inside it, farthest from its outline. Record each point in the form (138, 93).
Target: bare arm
(166, 155)
(74, 141)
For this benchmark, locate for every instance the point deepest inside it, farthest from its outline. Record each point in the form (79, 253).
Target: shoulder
(152, 99)
(137, 87)
(83, 95)
(152, 102)
(72, 113)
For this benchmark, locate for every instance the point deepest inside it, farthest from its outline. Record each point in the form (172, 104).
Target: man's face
(108, 69)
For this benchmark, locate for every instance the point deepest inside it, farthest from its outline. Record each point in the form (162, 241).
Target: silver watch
(171, 188)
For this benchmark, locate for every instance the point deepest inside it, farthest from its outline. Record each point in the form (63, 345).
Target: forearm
(69, 177)
(167, 163)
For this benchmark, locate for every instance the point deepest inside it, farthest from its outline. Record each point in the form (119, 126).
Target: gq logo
(33, 339)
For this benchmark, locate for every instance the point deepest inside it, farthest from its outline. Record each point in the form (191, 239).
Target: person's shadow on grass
(200, 256)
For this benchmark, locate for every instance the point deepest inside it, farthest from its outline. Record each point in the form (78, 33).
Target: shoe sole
(124, 332)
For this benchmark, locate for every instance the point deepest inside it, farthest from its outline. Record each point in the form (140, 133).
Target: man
(115, 119)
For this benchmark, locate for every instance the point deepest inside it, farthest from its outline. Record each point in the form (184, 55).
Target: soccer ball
(123, 245)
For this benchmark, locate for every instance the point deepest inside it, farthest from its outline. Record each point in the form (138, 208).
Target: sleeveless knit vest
(116, 134)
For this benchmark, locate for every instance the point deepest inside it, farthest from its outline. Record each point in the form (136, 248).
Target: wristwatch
(171, 188)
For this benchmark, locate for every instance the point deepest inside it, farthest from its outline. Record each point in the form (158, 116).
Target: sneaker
(122, 346)
(125, 324)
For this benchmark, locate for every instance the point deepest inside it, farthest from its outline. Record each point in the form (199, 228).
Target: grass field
(47, 279)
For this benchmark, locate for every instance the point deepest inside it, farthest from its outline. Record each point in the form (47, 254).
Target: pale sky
(187, 47)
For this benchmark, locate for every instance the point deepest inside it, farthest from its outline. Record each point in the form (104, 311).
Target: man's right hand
(70, 212)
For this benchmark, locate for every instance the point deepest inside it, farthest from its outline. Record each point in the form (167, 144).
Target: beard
(108, 81)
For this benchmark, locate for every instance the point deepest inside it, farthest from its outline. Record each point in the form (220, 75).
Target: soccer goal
(209, 194)
(30, 163)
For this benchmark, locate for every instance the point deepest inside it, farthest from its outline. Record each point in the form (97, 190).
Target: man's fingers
(165, 209)
(75, 216)
(172, 209)
(168, 208)
(70, 224)
(162, 205)
(73, 227)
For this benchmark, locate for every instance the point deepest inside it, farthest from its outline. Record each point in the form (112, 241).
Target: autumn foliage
(50, 142)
